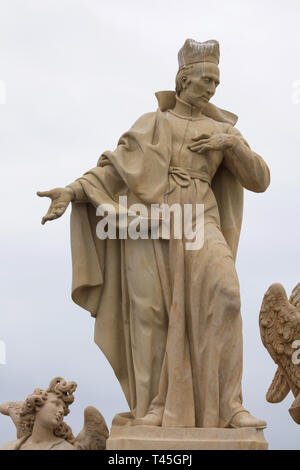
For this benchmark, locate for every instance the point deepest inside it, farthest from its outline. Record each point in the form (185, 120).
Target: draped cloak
(138, 168)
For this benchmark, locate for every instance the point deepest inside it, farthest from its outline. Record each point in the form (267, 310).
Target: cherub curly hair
(64, 390)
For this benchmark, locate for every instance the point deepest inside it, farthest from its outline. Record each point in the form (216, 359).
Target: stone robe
(168, 319)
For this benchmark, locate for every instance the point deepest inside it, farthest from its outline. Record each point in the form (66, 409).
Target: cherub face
(51, 414)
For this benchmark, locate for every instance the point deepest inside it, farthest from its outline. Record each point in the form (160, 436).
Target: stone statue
(167, 318)
(279, 323)
(40, 426)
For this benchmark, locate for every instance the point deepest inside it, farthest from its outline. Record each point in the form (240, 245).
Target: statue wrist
(71, 192)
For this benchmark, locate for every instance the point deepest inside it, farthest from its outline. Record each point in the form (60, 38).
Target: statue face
(200, 85)
(51, 414)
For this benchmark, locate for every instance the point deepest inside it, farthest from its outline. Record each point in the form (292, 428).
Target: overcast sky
(78, 73)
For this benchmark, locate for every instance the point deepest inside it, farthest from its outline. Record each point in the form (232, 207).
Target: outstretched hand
(206, 142)
(60, 199)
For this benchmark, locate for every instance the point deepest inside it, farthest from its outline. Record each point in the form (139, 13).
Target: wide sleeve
(247, 166)
(140, 162)
(98, 185)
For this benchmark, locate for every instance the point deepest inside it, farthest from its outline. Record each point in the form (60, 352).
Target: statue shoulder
(11, 445)
(145, 119)
(14, 445)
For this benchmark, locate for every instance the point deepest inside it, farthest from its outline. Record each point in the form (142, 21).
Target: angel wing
(279, 322)
(13, 410)
(279, 387)
(94, 432)
(295, 296)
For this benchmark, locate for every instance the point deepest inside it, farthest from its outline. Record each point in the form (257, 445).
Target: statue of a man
(168, 319)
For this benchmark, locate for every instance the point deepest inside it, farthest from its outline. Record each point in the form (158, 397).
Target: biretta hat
(193, 52)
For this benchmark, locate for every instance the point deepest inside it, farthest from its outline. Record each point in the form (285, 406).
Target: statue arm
(115, 171)
(61, 197)
(249, 168)
(77, 191)
(76, 187)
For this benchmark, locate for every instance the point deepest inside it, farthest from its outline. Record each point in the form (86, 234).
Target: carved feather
(295, 296)
(13, 410)
(279, 388)
(279, 322)
(94, 432)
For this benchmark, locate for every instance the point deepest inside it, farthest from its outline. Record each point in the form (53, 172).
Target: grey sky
(78, 74)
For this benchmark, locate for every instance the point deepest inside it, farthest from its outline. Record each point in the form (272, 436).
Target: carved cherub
(279, 322)
(40, 425)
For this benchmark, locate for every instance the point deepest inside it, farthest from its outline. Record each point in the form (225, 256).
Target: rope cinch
(184, 176)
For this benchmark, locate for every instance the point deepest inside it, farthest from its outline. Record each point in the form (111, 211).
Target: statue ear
(184, 82)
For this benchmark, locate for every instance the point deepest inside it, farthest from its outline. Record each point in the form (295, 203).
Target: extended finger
(203, 149)
(59, 212)
(51, 216)
(201, 136)
(49, 213)
(43, 193)
(199, 143)
(195, 149)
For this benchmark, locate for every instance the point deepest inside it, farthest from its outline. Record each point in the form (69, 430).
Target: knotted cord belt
(184, 176)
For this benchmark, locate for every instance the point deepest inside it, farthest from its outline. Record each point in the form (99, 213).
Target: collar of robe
(186, 110)
(167, 100)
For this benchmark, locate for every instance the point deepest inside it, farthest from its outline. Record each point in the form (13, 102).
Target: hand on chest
(183, 133)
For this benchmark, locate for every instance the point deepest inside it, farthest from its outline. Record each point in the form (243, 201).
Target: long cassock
(168, 319)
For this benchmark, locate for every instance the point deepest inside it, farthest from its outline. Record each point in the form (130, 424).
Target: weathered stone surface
(159, 438)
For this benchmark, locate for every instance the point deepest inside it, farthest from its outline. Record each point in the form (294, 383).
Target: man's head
(198, 74)
(196, 83)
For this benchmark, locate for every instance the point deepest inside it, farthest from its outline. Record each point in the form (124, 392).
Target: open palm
(60, 199)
